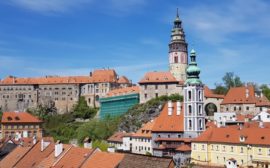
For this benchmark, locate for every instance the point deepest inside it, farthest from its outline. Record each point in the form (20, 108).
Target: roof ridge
(61, 156)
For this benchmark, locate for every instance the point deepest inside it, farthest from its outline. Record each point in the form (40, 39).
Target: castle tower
(194, 116)
(178, 59)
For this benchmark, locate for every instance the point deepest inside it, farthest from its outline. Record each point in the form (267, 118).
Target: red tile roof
(49, 161)
(145, 131)
(75, 157)
(19, 117)
(34, 156)
(232, 134)
(158, 77)
(169, 123)
(118, 137)
(238, 95)
(208, 93)
(124, 91)
(102, 75)
(13, 157)
(103, 160)
(123, 80)
(184, 148)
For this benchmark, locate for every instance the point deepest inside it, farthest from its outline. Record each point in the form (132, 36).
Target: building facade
(62, 92)
(118, 101)
(248, 146)
(20, 125)
(155, 84)
(245, 100)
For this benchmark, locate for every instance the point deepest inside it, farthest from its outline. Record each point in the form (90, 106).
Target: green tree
(101, 144)
(231, 80)
(43, 111)
(82, 110)
(220, 89)
(265, 90)
(98, 129)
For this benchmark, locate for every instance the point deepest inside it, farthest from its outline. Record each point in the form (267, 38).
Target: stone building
(63, 92)
(20, 125)
(155, 84)
(245, 100)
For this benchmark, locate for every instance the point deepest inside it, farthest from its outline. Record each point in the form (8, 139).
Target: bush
(82, 110)
(102, 145)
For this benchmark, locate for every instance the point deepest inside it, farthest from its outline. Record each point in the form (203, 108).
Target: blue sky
(73, 37)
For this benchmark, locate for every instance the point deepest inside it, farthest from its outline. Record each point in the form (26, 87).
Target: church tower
(194, 116)
(178, 58)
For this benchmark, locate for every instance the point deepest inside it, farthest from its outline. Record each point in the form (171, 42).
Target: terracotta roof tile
(73, 158)
(124, 91)
(19, 117)
(103, 160)
(146, 130)
(140, 161)
(34, 156)
(98, 76)
(184, 148)
(51, 159)
(238, 95)
(13, 157)
(158, 77)
(118, 137)
(210, 94)
(169, 123)
(231, 134)
(123, 80)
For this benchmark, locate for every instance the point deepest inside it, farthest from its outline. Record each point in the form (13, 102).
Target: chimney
(58, 148)
(247, 93)
(178, 105)
(44, 145)
(170, 108)
(34, 140)
(87, 143)
(261, 124)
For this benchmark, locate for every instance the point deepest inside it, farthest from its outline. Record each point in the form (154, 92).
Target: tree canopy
(82, 110)
(229, 80)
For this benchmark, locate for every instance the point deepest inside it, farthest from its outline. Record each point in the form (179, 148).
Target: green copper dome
(193, 71)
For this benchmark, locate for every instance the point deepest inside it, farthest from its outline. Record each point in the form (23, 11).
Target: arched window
(175, 59)
(189, 124)
(189, 95)
(200, 110)
(200, 124)
(189, 109)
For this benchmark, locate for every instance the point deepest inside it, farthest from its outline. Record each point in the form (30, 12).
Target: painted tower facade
(194, 115)
(178, 57)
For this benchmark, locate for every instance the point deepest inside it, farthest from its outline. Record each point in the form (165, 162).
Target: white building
(263, 116)
(141, 142)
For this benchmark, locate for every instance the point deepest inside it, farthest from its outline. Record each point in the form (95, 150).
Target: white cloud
(116, 7)
(217, 23)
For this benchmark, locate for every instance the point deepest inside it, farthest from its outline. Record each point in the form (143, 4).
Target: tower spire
(177, 14)
(193, 71)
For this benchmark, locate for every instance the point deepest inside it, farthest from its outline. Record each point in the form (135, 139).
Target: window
(259, 151)
(200, 109)
(224, 148)
(194, 147)
(203, 147)
(156, 87)
(189, 124)
(175, 59)
(145, 96)
(231, 148)
(166, 86)
(247, 108)
(241, 150)
(189, 95)
(145, 87)
(156, 95)
(217, 148)
(189, 109)
(234, 108)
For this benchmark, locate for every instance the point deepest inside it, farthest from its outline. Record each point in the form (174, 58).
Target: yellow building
(249, 145)
(20, 124)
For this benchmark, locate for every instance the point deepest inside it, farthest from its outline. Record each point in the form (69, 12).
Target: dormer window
(9, 118)
(242, 139)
